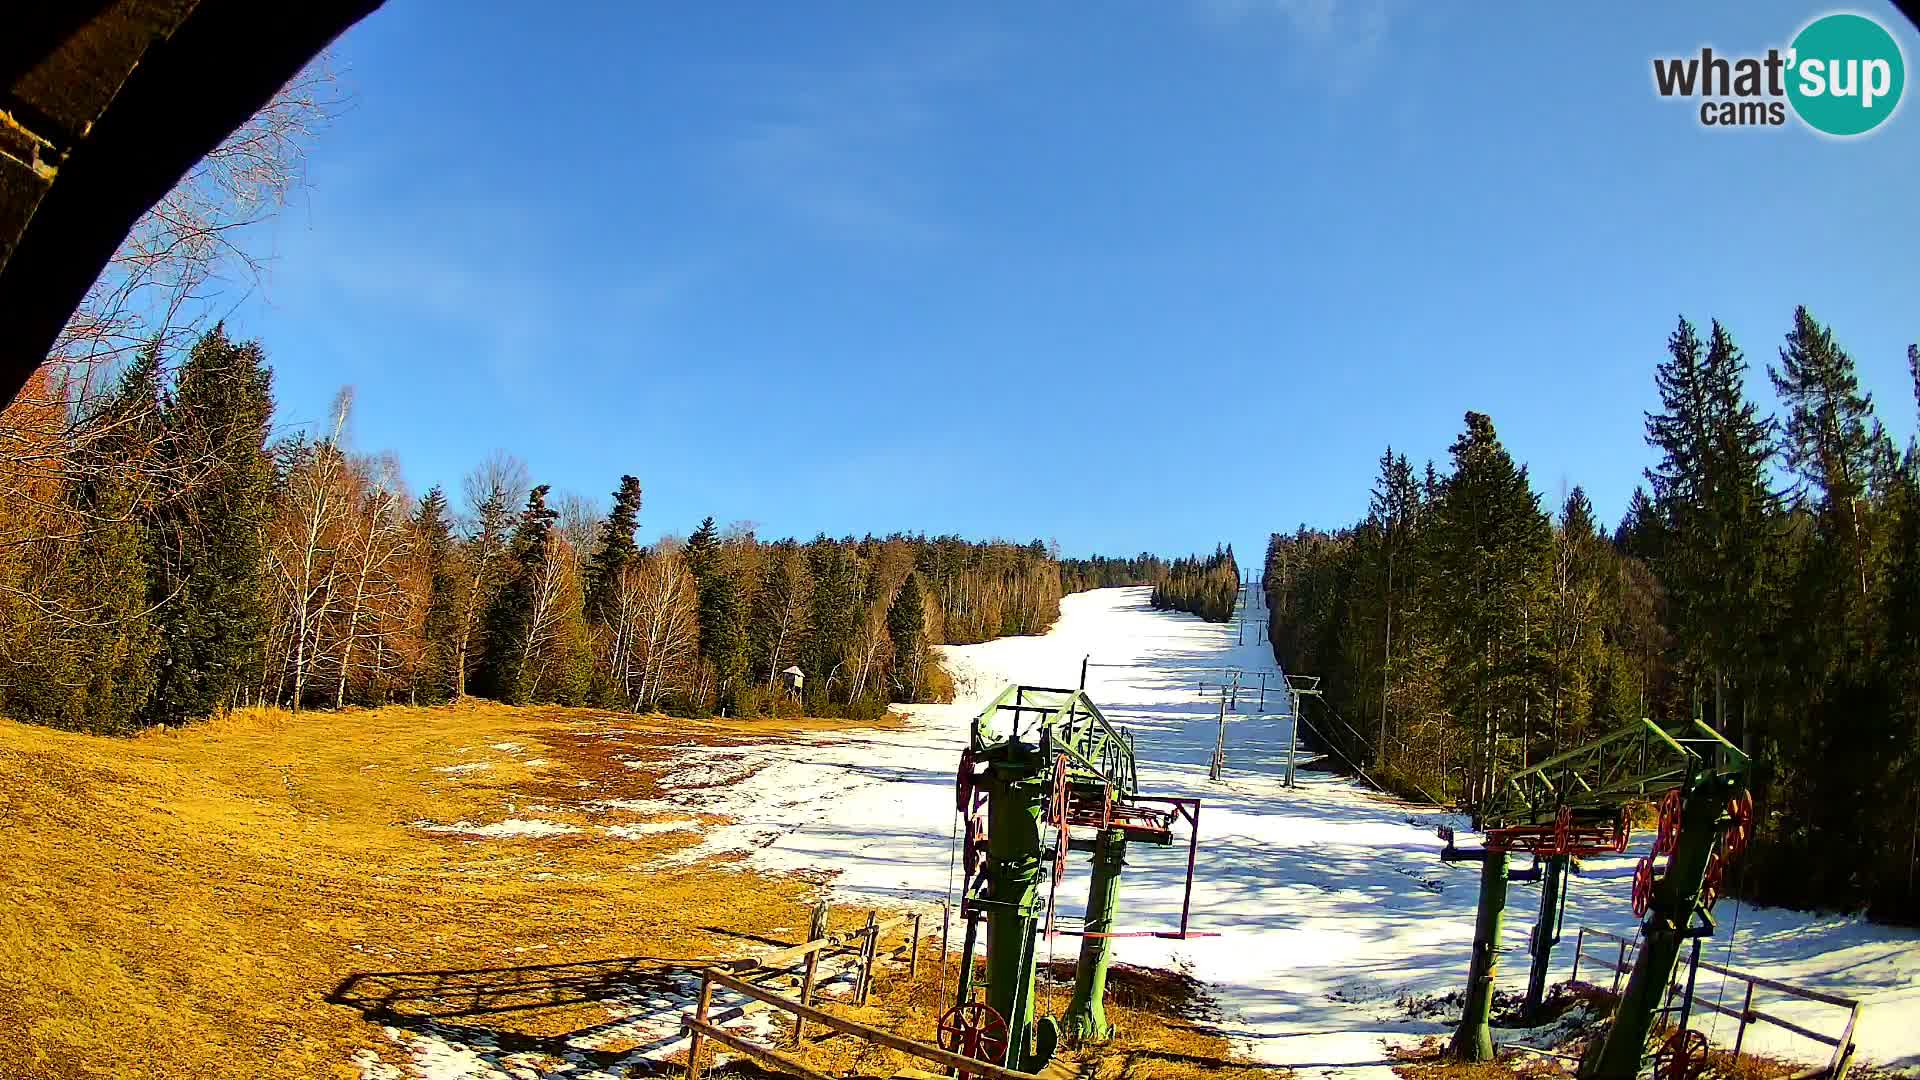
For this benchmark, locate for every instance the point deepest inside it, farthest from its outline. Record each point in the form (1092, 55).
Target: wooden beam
(921, 1050)
(778, 1059)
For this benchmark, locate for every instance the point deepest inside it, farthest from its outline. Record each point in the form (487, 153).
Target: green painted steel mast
(1473, 1039)
(1044, 756)
(1016, 786)
(1086, 1017)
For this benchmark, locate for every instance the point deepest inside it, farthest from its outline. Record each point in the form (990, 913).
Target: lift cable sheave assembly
(1575, 804)
(1045, 774)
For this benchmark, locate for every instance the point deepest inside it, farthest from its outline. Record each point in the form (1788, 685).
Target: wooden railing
(1621, 963)
(699, 1025)
(704, 1025)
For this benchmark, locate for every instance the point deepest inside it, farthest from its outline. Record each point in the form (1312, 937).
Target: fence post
(816, 929)
(694, 1045)
(867, 955)
(913, 958)
(1579, 942)
(1843, 1054)
(1746, 1017)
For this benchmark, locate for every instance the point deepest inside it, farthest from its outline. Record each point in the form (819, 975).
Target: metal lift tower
(1575, 804)
(1045, 774)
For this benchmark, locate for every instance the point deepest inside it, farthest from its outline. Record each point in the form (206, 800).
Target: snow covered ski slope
(1331, 904)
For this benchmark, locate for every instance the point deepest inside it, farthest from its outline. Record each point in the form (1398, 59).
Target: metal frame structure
(1040, 763)
(1574, 804)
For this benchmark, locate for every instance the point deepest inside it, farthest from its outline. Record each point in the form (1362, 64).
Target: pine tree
(490, 492)
(1486, 552)
(835, 573)
(502, 673)
(1391, 514)
(781, 612)
(206, 556)
(1576, 617)
(907, 627)
(617, 548)
(723, 636)
(1710, 489)
(703, 549)
(1829, 434)
(441, 623)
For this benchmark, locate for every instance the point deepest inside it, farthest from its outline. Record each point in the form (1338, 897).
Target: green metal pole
(964, 992)
(1473, 1041)
(1016, 790)
(1675, 897)
(1086, 1018)
(1546, 934)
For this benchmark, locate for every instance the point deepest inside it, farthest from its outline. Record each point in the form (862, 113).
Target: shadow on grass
(609, 1014)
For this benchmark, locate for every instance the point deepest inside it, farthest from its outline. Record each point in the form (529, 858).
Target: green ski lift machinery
(1044, 774)
(1576, 804)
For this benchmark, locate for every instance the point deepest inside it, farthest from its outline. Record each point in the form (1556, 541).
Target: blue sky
(1147, 280)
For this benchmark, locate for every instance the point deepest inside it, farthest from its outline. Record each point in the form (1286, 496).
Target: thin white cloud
(828, 147)
(1338, 43)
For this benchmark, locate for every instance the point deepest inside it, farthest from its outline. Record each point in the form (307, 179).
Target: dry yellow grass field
(184, 904)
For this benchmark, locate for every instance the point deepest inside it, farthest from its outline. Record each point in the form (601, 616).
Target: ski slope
(1331, 904)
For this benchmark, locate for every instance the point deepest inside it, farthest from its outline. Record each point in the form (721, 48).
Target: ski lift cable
(1364, 742)
(946, 912)
(1719, 997)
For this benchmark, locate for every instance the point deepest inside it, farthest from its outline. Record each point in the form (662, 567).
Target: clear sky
(1167, 275)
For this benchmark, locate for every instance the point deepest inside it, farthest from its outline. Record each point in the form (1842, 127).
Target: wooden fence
(1621, 963)
(703, 1025)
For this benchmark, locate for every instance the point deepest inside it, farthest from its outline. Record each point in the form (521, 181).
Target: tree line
(164, 556)
(1207, 587)
(1765, 580)
(1109, 572)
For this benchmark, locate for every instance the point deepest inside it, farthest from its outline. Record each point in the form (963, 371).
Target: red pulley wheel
(1665, 840)
(1642, 887)
(1740, 825)
(963, 784)
(1682, 1057)
(1714, 882)
(974, 1029)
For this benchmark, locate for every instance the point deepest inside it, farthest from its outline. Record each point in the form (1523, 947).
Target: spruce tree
(485, 552)
(1391, 512)
(617, 549)
(781, 613)
(205, 562)
(703, 549)
(1829, 436)
(1486, 549)
(723, 635)
(501, 674)
(907, 626)
(836, 581)
(1711, 493)
(441, 625)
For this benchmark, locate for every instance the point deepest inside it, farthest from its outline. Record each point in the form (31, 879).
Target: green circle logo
(1845, 74)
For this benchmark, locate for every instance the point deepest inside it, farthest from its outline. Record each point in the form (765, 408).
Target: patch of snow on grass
(471, 766)
(508, 828)
(650, 828)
